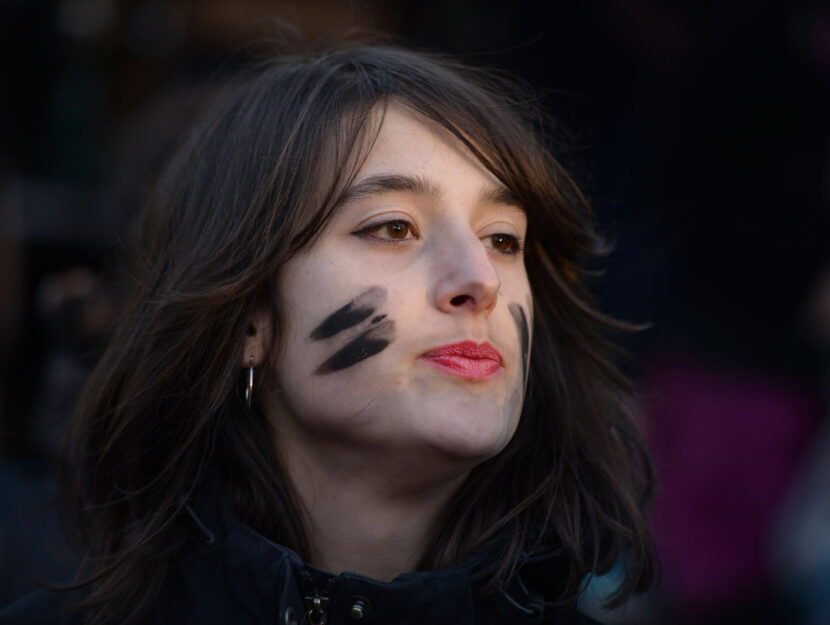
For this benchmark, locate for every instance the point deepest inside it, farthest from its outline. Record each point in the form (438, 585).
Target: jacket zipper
(316, 605)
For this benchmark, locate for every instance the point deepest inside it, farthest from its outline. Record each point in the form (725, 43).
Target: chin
(475, 436)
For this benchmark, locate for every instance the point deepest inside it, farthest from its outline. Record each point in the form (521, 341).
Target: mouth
(467, 359)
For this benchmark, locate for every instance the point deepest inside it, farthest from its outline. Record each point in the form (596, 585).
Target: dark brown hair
(254, 184)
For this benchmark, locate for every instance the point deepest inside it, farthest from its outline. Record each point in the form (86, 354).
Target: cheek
(331, 360)
(356, 331)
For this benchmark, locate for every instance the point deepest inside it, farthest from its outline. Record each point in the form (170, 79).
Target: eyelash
(516, 242)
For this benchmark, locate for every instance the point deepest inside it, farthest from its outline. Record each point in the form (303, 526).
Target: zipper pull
(316, 606)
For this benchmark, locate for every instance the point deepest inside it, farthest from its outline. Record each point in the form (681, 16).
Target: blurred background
(700, 129)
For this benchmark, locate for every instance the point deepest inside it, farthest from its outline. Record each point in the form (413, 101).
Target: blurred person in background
(731, 379)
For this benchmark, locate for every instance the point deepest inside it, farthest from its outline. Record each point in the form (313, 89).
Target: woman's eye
(506, 243)
(397, 230)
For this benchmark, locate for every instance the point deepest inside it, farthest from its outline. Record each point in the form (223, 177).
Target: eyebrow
(400, 183)
(499, 195)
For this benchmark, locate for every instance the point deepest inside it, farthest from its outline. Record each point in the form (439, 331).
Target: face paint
(368, 342)
(364, 345)
(524, 334)
(360, 308)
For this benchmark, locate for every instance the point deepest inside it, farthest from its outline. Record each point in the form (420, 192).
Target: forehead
(410, 144)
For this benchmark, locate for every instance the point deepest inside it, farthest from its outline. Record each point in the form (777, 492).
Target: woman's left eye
(505, 243)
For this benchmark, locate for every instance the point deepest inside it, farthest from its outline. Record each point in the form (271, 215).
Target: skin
(376, 442)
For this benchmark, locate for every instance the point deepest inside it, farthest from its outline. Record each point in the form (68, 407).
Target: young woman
(358, 377)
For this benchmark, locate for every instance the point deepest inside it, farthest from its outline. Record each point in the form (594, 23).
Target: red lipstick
(466, 359)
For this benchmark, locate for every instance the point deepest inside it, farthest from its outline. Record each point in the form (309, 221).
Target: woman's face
(407, 322)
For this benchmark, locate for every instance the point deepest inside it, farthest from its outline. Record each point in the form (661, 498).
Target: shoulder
(38, 608)
(536, 590)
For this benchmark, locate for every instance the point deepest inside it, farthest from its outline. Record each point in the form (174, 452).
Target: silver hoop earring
(249, 390)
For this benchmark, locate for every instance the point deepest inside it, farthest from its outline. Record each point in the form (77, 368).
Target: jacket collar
(274, 583)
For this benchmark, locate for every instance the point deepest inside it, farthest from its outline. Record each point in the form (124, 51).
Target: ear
(257, 339)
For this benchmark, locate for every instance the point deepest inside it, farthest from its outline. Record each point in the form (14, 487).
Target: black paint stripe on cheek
(365, 345)
(360, 308)
(524, 332)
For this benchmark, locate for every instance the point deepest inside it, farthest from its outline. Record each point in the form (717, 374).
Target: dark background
(700, 129)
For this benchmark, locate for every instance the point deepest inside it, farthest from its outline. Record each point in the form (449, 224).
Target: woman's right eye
(396, 230)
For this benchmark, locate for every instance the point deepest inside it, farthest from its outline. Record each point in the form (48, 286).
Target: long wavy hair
(255, 183)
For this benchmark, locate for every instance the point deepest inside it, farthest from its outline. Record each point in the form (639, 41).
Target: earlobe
(257, 340)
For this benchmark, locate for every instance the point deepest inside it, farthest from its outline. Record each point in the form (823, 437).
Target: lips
(467, 359)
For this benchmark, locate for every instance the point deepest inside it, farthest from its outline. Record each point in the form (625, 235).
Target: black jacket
(238, 577)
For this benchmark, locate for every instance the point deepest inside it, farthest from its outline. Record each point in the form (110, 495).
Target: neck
(371, 515)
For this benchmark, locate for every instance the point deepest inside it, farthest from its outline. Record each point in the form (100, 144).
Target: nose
(464, 275)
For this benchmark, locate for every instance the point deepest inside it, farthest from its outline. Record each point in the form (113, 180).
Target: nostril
(459, 300)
